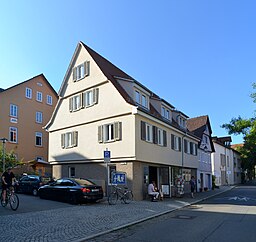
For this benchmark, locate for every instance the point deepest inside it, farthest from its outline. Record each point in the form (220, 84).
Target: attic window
(165, 113)
(81, 71)
(141, 99)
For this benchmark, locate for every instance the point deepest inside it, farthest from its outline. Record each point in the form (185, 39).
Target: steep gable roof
(113, 74)
(110, 71)
(40, 75)
(198, 125)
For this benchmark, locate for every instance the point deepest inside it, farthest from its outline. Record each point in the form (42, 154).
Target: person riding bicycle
(7, 180)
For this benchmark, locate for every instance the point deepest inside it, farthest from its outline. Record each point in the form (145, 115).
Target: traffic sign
(107, 155)
(119, 178)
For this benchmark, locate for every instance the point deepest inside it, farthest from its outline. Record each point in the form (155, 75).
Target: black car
(29, 184)
(72, 190)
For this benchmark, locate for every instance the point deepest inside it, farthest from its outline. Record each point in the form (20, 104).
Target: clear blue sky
(198, 55)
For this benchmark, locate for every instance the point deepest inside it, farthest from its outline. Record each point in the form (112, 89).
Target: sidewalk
(80, 223)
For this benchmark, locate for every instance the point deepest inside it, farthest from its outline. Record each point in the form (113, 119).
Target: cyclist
(7, 180)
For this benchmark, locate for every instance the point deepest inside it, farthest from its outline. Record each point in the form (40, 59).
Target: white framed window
(13, 134)
(39, 96)
(165, 113)
(39, 117)
(160, 137)
(146, 132)
(69, 139)
(49, 99)
(186, 146)
(81, 71)
(144, 101)
(193, 148)
(110, 132)
(137, 97)
(39, 139)
(141, 99)
(91, 97)
(149, 132)
(76, 102)
(28, 93)
(175, 142)
(182, 122)
(13, 110)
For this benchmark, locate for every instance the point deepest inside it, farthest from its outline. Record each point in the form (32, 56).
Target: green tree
(247, 128)
(10, 159)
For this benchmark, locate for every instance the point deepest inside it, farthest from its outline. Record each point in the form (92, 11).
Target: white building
(226, 162)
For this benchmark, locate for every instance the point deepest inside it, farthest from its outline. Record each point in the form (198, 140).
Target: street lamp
(4, 140)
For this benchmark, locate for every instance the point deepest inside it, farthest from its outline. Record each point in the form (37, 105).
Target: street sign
(107, 156)
(119, 178)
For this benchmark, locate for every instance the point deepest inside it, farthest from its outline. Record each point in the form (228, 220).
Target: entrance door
(153, 174)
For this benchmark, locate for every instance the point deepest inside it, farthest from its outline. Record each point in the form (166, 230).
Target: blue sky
(199, 56)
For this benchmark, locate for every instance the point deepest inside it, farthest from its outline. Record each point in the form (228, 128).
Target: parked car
(30, 184)
(72, 190)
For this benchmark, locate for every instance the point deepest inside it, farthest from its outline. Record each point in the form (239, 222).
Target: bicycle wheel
(14, 202)
(112, 198)
(128, 197)
(3, 203)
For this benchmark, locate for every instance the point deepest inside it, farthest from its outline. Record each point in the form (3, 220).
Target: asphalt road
(228, 217)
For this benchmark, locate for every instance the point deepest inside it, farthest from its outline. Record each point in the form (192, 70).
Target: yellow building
(24, 109)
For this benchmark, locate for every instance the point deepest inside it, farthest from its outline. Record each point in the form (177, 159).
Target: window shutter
(196, 147)
(179, 143)
(164, 138)
(95, 95)
(62, 141)
(81, 100)
(143, 130)
(172, 141)
(118, 130)
(100, 134)
(87, 68)
(71, 104)
(155, 135)
(74, 74)
(185, 146)
(74, 138)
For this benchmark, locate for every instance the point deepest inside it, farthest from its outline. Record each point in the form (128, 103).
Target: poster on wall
(166, 189)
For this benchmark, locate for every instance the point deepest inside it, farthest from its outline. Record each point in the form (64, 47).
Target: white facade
(226, 165)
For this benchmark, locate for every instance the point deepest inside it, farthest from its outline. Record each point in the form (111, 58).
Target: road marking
(237, 198)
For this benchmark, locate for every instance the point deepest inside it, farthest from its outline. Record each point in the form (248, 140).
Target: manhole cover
(184, 217)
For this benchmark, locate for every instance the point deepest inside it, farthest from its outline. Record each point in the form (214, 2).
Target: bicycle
(119, 193)
(11, 198)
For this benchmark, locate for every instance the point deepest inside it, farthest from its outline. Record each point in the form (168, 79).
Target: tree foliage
(10, 159)
(247, 128)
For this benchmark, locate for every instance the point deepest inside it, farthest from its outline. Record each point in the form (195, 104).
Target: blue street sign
(107, 155)
(119, 178)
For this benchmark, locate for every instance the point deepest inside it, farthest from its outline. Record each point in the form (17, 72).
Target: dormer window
(141, 99)
(165, 113)
(182, 122)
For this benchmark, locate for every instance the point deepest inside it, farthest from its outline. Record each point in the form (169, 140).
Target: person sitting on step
(152, 192)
